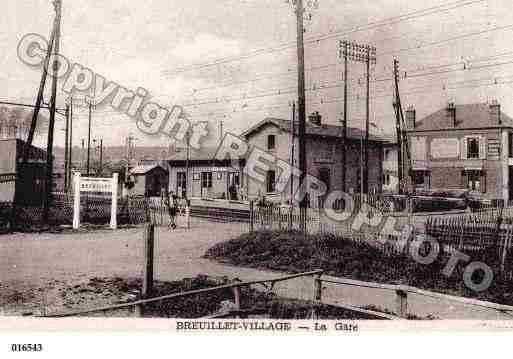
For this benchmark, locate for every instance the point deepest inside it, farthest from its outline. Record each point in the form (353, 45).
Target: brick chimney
(315, 118)
(410, 117)
(495, 113)
(451, 114)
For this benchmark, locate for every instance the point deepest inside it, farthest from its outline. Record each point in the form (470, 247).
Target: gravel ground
(40, 265)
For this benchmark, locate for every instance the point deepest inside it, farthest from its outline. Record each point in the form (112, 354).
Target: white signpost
(91, 184)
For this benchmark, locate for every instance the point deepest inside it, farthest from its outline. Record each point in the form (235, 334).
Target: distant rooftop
(143, 169)
(467, 116)
(311, 129)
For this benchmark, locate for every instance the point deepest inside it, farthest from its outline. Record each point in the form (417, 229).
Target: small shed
(24, 181)
(149, 180)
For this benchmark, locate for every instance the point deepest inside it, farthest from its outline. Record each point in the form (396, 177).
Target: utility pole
(398, 129)
(367, 115)
(70, 168)
(83, 154)
(367, 54)
(345, 45)
(101, 156)
(301, 115)
(40, 93)
(89, 138)
(188, 137)
(51, 124)
(66, 151)
(293, 147)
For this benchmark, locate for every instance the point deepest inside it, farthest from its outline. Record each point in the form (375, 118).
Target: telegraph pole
(367, 115)
(101, 156)
(82, 155)
(66, 151)
(366, 54)
(400, 175)
(89, 139)
(70, 168)
(188, 134)
(344, 124)
(292, 152)
(301, 114)
(40, 93)
(51, 124)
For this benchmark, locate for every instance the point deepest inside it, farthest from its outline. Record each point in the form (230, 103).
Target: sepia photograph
(277, 166)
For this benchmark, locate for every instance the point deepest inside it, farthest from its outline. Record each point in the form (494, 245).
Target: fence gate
(92, 184)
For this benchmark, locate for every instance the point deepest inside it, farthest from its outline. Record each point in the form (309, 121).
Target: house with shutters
(465, 146)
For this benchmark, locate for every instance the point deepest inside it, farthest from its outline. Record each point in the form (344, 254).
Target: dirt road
(48, 260)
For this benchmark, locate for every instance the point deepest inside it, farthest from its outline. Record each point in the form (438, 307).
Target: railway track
(220, 214)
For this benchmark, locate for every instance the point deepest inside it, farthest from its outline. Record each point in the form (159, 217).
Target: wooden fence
(488, 232)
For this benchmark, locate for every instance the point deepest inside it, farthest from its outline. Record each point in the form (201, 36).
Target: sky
(234, 61)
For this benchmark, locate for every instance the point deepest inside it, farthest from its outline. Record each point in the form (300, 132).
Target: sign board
(445, 148)
(494, 149)
(7, 177)
(90, 184)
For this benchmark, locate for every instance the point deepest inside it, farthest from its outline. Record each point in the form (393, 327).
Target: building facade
(463, 147)
(390, 168)
(207, 177)
(148, 180)
(324, 146)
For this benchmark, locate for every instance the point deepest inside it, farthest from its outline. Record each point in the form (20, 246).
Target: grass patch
(293, 253)
(263, 304)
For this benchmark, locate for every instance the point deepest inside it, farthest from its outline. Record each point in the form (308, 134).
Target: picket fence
(488, 233)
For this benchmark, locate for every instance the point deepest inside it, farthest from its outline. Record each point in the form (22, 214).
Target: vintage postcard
(256, 166)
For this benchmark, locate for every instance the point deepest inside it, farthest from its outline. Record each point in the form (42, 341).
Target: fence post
(251, 216)
(76, 200)
(317, 295)
(114, 204)
(236, 299)
(279, 218)
(149, 237)
(188, 213)
(401, 301)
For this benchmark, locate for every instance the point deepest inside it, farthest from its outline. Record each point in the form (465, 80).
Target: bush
(337, 256)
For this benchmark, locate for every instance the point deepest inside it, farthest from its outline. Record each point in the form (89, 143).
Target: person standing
(172, 209)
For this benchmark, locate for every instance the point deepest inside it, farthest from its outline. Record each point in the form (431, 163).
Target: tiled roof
(467, 116)
(143, 169)
(204, 153)
(314, 130)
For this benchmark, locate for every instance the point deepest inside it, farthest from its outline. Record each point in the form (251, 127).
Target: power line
(371, 25)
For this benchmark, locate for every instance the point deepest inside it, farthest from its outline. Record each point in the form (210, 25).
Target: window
(206, 179)
(181, 180)
(421, 179)
(271, 181)
(474, 180)
(473, 147)
(510, 144)
(271, 142)
(386, 179)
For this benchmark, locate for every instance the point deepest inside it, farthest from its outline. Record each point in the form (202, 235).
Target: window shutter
(464, 148)
(464, 179)
(483, 182)
(482, 148)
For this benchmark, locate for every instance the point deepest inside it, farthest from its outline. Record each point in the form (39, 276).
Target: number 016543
(26, 347)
